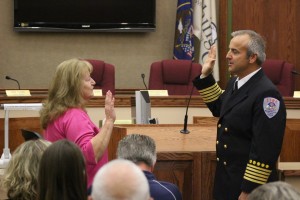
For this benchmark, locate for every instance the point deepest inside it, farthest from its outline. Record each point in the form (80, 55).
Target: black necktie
(235, 87)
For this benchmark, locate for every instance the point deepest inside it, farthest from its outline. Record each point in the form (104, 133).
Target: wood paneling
(193, 173)
(277, 21)
(187, 160)
(291, 143)
(124, 100)
(208, 168)
(170, 168)
(205, 121)
(223, 43)
(15, 126)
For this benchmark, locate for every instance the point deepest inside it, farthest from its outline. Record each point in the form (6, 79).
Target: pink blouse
(76, 126)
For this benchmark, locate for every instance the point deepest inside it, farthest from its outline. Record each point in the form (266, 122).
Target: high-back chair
(104, 75)
(30, 135)
(176, 76)
(280, 73)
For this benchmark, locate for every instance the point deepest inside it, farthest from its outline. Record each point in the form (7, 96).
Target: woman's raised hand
(110, 106)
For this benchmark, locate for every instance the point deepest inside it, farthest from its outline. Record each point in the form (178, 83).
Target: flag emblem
(183, 41)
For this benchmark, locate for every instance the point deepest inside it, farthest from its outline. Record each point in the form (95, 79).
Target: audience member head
(21, 175)
(140, 149)
(256, 45)
(118, 180)
(274, 190)
(62, 173)
(66, 89)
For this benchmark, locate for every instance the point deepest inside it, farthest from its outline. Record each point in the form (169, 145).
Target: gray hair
(275, 190)
(120, 179)
(137, 148)
(256, 45)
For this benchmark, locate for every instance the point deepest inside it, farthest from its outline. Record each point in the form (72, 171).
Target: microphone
(184, 130)
(295, 72)
(143, 77)
(9, 78)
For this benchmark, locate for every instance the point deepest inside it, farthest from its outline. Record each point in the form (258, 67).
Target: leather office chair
(176, 76)
(104, 75)
(280, 73)
(30, 135)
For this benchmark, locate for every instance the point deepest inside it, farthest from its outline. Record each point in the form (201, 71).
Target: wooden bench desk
(187, 160)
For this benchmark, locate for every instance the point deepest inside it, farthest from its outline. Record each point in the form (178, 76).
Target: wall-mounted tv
(84, 15)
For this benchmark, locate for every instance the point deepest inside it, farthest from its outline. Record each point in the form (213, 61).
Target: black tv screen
(84, 15)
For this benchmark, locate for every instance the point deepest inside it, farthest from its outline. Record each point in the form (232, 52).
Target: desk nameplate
(17, 93)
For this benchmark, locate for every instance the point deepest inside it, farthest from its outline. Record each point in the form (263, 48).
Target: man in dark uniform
(252, 118)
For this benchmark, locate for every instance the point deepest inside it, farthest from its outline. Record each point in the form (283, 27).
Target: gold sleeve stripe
(211, 93)
(258, 168)
(258, 171)
(256, 174)
(212, 97)
(256, 178)
(209, 88)
(211, 100)
(264, 177)
(253, 180)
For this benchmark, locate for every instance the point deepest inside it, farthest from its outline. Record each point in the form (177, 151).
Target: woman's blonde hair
(65, 90)
(20, 176)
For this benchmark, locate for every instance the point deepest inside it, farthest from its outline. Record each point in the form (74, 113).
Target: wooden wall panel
(291, 143)
(205, 121)
(187, 160)
(208, 174)
(176, 172)
(223, 47)
(15, 126)
(276, 20)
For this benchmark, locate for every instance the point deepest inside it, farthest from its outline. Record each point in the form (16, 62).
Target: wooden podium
(187, 160)
(15, 125)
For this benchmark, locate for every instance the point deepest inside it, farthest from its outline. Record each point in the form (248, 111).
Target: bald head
(120, 180)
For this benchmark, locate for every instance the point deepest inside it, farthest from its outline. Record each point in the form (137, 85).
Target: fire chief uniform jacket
(249, 132)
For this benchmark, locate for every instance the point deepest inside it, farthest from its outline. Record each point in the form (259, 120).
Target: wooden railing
(124, 98)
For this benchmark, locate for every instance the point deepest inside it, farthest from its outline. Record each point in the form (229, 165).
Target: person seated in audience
(64, 116)
(275, 190)
(141, 150)
(118, 180)
(20, 178)
(62, 173)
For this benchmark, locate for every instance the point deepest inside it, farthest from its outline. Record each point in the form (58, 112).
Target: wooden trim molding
(124, 99)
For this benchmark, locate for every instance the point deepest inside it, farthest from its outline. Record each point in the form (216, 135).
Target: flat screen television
(84, 15)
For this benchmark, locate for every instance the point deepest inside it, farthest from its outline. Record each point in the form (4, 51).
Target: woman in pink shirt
(63, 115)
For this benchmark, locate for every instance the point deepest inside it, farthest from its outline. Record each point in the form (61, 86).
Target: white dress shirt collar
(244, 80)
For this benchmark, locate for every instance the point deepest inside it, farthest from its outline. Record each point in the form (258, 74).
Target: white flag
(205, 31)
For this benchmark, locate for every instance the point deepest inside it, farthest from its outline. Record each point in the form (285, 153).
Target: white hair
(120, 180)
(275, 190)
